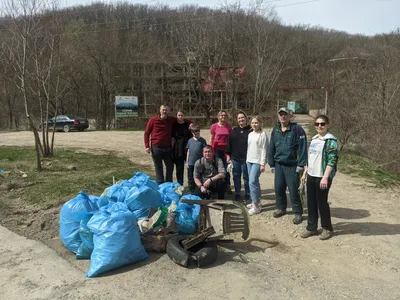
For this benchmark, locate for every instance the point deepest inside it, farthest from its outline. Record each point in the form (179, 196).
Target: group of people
(247, 150)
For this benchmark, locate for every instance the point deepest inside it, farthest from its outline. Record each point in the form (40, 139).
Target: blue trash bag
(188, 215)
(170, 197)
(86, 247)
(168, 194)
(126, 183)
(98, 201)
(140, 179)
(140, 200)
(118, 191)
(116, 239)
(168, 186)
(72, 213)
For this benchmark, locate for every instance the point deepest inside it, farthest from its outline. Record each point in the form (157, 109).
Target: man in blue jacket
(287, 156)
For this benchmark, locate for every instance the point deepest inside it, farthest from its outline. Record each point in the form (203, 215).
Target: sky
(368, 17)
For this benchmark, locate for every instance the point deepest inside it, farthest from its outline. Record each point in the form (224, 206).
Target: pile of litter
(110, 229)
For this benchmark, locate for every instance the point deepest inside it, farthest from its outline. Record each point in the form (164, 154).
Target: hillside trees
(23, 32)
(267, 55)
(34, 52)
(76, 60)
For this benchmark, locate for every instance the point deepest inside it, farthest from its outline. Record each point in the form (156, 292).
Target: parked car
(67, 123)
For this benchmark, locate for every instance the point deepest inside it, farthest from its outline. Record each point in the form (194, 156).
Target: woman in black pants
(319, 172)
(181, 135)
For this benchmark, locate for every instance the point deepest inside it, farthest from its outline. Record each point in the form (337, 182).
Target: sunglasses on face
(320, 124)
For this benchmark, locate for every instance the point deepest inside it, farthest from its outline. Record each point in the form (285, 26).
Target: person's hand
(299, 169)
(262, 169)
(207, 183)
(324, 183)
(304, 178)
(272, 169)
(147, 149)
(203, 189)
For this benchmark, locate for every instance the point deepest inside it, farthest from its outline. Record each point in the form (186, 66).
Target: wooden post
(162, 84)
(190, 103)
(277, 101)
(144, 91)
(145, 103)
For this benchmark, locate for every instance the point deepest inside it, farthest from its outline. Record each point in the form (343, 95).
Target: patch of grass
(15, 154)
(59, 181)
(352, 163)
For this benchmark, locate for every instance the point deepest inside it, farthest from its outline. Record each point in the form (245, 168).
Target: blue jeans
(239, 168)
(254, 182)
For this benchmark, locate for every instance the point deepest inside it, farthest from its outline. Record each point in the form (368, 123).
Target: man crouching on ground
(209, 175)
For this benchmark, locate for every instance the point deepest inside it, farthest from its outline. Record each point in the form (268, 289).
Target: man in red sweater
(157, 140)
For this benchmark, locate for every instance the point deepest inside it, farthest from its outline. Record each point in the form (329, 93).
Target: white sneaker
(251, 205)
(254, 210)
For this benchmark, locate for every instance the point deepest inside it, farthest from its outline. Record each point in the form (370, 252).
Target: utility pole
(326, 100)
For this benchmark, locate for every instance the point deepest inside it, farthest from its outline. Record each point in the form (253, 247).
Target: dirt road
(362, 261)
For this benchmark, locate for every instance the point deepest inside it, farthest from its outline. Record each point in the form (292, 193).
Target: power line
(155, 24)
(141, 26)
(296, 3)
(105, 23)
(59, 13)
(182, 21)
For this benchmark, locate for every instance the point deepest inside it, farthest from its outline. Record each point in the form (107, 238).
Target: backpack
(201, 165)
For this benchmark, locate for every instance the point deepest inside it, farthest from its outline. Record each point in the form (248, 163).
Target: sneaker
(254, 210)
(247, 197)
(251, 205)
(237, 197)
(326, 234)
(279, 213)
(308, 233)
(297, 219)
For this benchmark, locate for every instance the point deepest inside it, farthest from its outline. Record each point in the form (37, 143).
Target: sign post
(126, 107)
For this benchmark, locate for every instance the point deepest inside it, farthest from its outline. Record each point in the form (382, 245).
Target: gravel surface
(362, 261)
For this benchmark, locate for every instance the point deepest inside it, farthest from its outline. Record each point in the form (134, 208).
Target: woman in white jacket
(257, 143)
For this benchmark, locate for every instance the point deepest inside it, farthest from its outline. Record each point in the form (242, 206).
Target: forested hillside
(76, 60)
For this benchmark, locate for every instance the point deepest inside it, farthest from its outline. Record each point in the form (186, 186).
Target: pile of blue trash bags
(105, 229)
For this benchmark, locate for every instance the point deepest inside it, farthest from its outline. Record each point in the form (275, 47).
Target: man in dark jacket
(287, 156)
